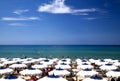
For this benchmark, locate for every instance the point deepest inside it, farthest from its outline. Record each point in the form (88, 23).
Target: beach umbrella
(47, 62)
(81, 60)
(52, 78)
(19, 65)
(28, 62)
(94, 60)
(67, 61)
(101, 62)
(85, 66)
(114, 73)
(59, 72)
(80, 63)
(111, 60)
(31, 71)
(11, 78)
(63, 66)
(94, 78)
(116, 63)
(39, 66)
(3, 59)
(86, 72)
(9, 62)
(6, 71)
(108, 67)
(2, 65)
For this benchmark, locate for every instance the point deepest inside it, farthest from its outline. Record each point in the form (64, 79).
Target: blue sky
(62, 22)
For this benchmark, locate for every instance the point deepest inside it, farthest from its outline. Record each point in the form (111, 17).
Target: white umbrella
(6, 71)
(47, 62)
(39, 66)
(28, 62)
(67, 61)
(117, 64)
(101, 62)
(81, 61)
(108, 67)
(3, 59)
(94, 60)
(12, 78)
(9, 62)
(52, 78)
(85, 66)
(31, 71)
(59, 72)
(1, 65)
(110, 60)
(94, 78)
(86, 72)
(18, 66)
(63, 66)
(114, 73)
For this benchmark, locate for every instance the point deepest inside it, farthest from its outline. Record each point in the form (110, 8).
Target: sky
(59, 22)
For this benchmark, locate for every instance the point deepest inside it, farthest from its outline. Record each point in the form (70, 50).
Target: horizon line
(62, 44)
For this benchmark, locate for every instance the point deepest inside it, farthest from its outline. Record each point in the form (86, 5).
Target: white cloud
(20, 11)
(59, 7)
(19, 18)
(85, 10)
(90, 18)
(56, 6)
(17, 24)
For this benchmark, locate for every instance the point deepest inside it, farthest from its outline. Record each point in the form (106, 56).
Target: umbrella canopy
(101, 62)
(59, 72)
(31, 71)
(1, 65)
(114, 73)
(85, 66)
(47, 62)
(6, 71)
(28, 62)
(63, 66)
(18, 66)
(111, 60)
(67, 61)
(52, 78)
(9, 62)
(94, 78)
(11, 78)
(39, 66)
(86, 72)
(81, 61)
(108, 67)
(117, 64)
(94, 60)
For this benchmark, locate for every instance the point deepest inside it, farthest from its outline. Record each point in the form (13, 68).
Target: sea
(60, 51)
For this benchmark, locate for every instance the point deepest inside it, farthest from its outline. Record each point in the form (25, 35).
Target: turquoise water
(72, 51)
